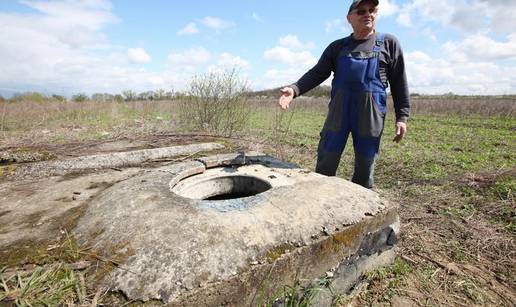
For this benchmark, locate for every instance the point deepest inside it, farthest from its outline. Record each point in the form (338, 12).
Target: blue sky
(88, 46)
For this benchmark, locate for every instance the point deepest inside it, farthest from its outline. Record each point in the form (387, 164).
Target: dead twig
(110, 261)
(448, 267)
(95, 300)
(412, 261)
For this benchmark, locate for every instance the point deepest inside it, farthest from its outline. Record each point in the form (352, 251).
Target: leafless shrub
(280, 130)
(3, 106)
(216, 102)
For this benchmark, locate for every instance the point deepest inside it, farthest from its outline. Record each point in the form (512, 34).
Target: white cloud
(338, 24)
(469, 16)
(387, 8)
(502, 15)
(189, 29)
(138, 56)
(257, 17)
(433, 76)
(289, 57)
(61, 48)
(417, 57)
(292, 53)
(74, 23)
(429, 33)
(404, 19)
(199, 60)
(216, 23)
(291, 41)
(52, 48)
(90, 14)
(478, 48)
(279, 77)
(229, 61)
(189, 59)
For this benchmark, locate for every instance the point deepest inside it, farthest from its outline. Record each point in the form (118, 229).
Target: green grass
(461, 169)
(435, 148)
(52, 286)
(393, 277)
(296, 295)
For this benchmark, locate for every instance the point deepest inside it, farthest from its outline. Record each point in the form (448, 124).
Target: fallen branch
(412, 261)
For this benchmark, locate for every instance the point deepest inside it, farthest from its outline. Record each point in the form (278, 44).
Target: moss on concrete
(278, 251)
(46, 250)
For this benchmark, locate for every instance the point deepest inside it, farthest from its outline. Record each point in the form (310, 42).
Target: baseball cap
(356, 3)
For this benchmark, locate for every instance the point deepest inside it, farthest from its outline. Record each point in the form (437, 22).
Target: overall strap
(380, 38)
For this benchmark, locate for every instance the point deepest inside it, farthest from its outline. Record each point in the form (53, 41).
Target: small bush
(58, 98)
(30, 96)
(216, 102)
(118, 98)
(80, 97)
(129, 95)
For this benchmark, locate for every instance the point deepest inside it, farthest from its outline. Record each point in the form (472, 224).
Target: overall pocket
(335, 108)
(371, 114)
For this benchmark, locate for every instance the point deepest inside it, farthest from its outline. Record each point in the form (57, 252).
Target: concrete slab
(188, 251)
(101, 161)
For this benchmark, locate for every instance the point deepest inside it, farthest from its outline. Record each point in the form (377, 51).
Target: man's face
(363, 17)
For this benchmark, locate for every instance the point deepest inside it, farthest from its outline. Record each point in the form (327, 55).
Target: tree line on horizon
(322, 91)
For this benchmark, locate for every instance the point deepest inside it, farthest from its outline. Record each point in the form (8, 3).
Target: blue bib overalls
(358, 106)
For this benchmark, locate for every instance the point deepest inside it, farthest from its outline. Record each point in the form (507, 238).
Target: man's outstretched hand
(287, 94)
(401, 130)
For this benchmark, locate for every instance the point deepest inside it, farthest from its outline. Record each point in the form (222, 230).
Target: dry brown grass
(27, 115)
(482, 105)
(425, 105)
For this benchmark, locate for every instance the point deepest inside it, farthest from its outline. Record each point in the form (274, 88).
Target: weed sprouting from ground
(281, 126)
(51, 286)
(296, 295)
(386, 282)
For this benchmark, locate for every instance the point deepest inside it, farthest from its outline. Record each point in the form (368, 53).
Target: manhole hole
(221, 188)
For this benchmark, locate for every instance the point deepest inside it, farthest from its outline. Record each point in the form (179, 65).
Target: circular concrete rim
(224, 187)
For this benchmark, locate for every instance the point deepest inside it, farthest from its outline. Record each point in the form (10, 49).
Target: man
(364, 64)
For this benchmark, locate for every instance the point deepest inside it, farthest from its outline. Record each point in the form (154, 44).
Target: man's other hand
(287, 94)
(401, 130)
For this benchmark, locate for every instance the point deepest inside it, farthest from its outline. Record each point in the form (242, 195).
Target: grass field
(454, 177)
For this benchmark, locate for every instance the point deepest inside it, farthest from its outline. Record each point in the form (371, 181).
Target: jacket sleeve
(398, 81)
(320, 72)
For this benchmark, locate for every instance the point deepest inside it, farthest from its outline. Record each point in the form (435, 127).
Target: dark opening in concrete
(225, 187)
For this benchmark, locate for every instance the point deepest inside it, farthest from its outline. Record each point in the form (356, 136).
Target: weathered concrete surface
(188, 252)
(24, 156)
(346, 275)
(96, 162)
(34, 210)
